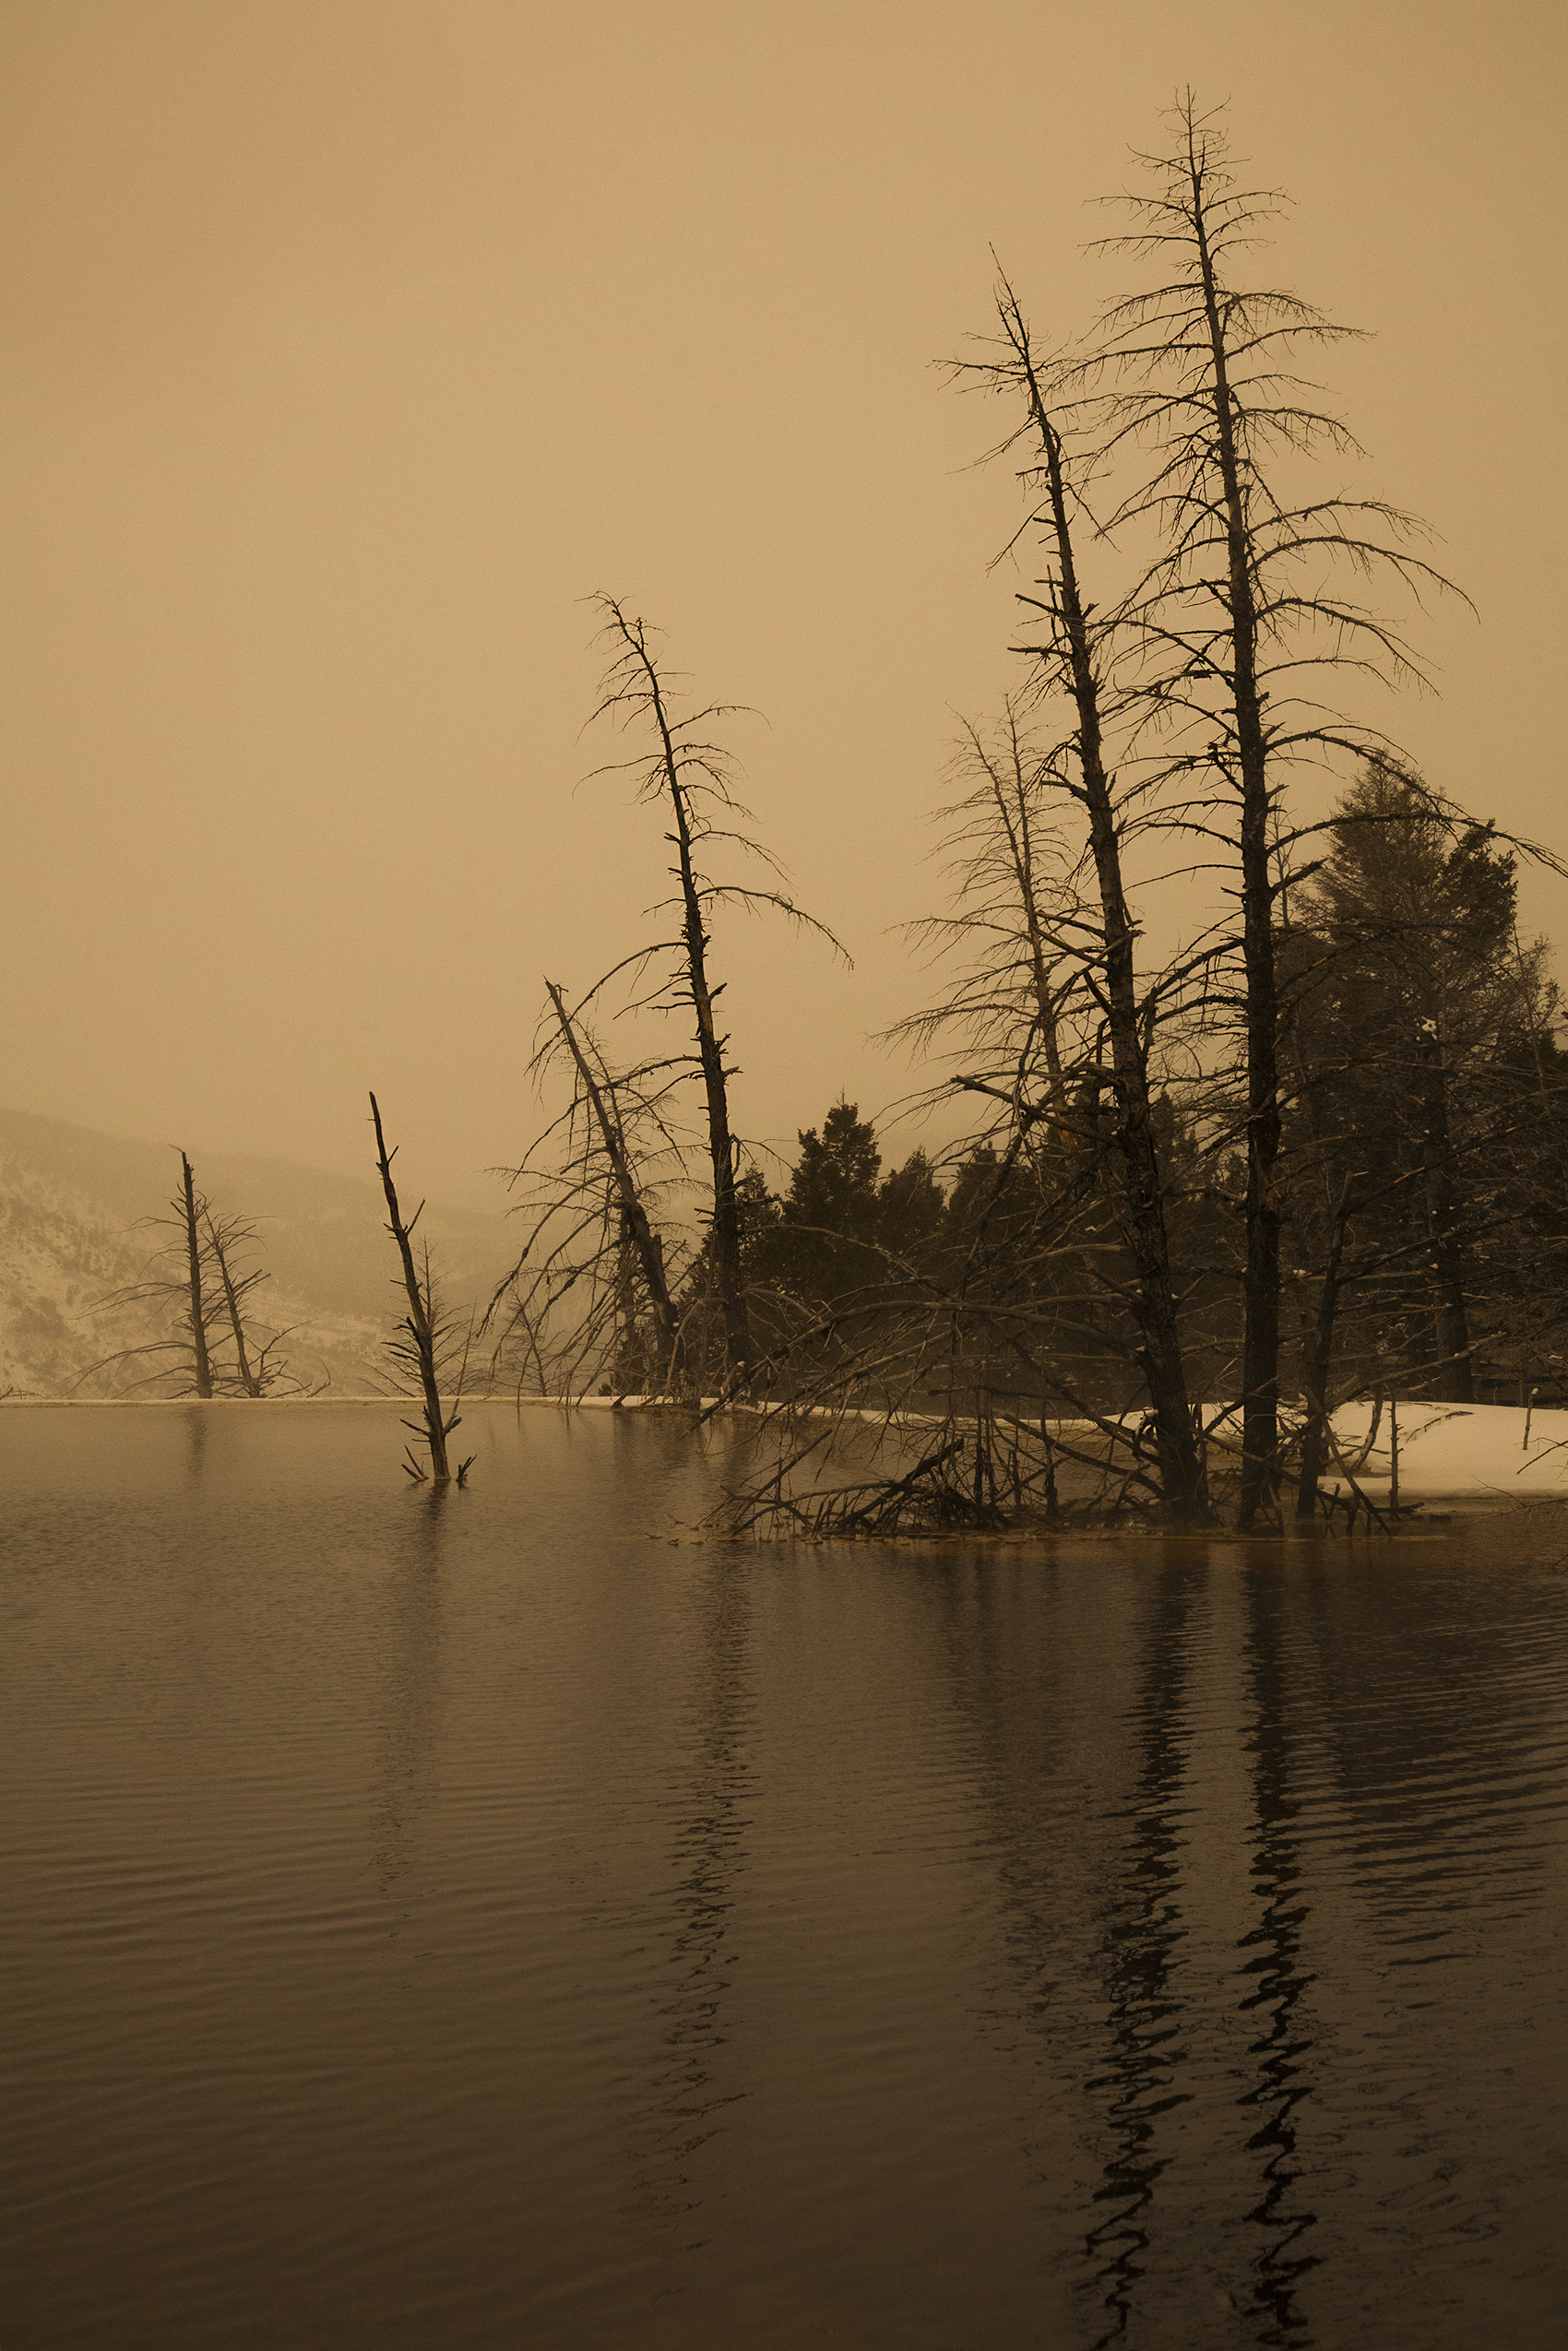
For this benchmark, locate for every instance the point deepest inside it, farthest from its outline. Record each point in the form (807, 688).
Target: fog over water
(510, 1917)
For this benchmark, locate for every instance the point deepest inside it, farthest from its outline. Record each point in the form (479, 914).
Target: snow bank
(1457, 1451)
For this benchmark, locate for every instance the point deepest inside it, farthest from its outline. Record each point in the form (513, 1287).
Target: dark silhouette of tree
(1075, 661)
(592, 1290)
(1243, 622)
(1420, 1036)
(429, 1346)
(200, 1280)
(691, 776)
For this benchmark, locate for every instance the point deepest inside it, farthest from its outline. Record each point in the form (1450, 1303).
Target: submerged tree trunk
(420, 1324)
(1456, 1379)
(199, 1357)
(636, 1230)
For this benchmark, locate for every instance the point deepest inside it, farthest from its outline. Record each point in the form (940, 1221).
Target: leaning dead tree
(592, 1292)
(428, 1344)
(638, 1237)
(258, 1369)
(1077, 660)
(691, 778)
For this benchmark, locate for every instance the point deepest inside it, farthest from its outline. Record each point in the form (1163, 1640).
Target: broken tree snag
(418, 1353)
(186, 1204)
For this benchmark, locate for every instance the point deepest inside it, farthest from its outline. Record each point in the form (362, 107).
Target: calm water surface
(486, 1921)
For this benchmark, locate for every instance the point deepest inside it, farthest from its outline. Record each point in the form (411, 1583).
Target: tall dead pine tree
(1238, 608)
(1071, 659)
(693, 778)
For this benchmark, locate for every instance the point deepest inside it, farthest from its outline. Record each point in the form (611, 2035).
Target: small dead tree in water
(693, 778)
(256, 1374)
(425, 1352)
(207, 1299)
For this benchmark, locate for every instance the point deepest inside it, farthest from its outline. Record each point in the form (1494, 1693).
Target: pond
(511, 1919)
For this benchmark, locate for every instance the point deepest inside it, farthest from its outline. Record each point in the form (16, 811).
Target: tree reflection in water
(1137, 1959)
(197, 1430)
(406, 1774)
(1273, 1945)
(685, 2096)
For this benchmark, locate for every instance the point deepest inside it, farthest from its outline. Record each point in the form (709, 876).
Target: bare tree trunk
(1456, 1380)
(1180, 1467)
(197, 1310)
(725, 1227)
(1260, 1345)
(726, 1234)
(419, 1321)
(249, 1381)
(646, 1242)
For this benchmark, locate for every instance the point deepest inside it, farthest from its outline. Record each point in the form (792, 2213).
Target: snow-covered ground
(1457, 1451)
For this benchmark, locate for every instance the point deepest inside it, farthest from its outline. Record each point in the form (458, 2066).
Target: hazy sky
(351, 344)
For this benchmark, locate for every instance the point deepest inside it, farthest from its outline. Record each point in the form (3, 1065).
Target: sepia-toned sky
(349, 345)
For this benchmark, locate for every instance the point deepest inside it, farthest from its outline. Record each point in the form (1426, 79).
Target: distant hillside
(72, 1209)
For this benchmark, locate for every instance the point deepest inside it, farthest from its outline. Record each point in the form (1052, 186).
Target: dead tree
(196, 1308)
(693, 778)
(639, 1237)
(426, 1349)
(256, 1373)
(1079, 647)
(595, 1271)
(1237, 607)
(221, 1242)
(177, 1282)
(208, 1299)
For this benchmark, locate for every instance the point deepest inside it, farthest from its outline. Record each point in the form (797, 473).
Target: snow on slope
(72, 1206)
